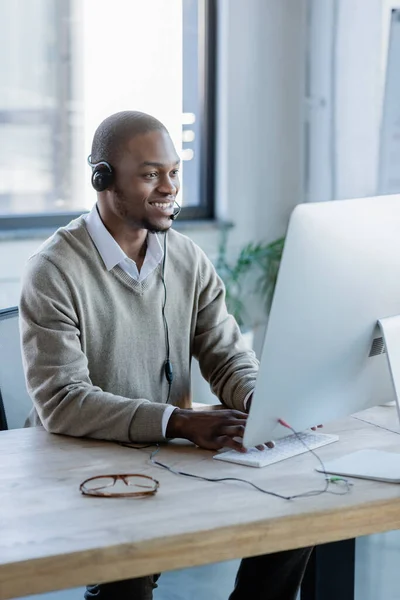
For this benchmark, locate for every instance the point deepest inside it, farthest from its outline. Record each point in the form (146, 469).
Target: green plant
(262, 261)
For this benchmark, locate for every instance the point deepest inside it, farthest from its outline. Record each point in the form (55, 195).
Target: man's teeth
(163, 205)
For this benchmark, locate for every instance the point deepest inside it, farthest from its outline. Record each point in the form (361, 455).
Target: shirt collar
(109, 250)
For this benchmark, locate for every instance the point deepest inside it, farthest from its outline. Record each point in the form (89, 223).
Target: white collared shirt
(113, 255)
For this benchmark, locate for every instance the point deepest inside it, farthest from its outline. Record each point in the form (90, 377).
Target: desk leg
(330, 572)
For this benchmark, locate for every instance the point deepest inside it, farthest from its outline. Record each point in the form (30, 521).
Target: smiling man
(113, 308)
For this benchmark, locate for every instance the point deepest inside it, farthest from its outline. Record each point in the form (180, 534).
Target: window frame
(205, 211)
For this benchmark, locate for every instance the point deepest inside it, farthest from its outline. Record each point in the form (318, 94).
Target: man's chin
(159, 226)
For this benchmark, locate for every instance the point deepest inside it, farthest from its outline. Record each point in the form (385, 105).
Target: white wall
(261, 120)
(260, 129)
(260, 155)
(347, 48)
(359, 92)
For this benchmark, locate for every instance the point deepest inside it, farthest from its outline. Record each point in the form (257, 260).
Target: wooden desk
(53, 537)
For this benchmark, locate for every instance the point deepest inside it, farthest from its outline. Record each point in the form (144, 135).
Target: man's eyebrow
(149, 163)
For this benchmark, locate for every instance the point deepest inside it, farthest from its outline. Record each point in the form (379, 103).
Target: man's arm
(56, 368)
(225, 361)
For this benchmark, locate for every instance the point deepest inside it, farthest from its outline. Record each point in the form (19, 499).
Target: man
(114, 306)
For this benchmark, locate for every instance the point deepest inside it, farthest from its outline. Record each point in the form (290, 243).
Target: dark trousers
(268, 577)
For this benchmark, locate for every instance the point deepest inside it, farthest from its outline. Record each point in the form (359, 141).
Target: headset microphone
(176, 211)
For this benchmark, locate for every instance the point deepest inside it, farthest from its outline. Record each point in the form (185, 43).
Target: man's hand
(212, 429)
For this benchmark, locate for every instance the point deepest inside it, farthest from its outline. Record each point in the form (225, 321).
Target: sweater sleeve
(225, 362)
(56, 368)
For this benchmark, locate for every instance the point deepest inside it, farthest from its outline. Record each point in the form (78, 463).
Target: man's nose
(167, 186)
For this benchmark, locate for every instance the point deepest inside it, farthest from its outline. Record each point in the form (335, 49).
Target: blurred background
(269, 102)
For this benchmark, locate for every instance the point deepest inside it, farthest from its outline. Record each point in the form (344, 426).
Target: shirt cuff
(245, 401)
(165, 418)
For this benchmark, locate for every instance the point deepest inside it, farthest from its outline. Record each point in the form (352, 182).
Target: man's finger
(225, 441)
(266, 445)
(233, 431)
(234, 414)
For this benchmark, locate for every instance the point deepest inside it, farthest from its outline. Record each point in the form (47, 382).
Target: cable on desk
(328, 479)
(376, 425)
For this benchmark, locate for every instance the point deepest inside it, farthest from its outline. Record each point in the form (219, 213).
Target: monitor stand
(390, 329)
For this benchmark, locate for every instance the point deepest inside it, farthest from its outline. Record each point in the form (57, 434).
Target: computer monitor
(323, 356)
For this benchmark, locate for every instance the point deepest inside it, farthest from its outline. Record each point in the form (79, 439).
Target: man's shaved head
(114, 132)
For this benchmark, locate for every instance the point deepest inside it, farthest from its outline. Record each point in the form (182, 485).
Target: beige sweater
(94, 344)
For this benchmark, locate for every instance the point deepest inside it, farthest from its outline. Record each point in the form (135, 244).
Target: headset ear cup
(102, 179)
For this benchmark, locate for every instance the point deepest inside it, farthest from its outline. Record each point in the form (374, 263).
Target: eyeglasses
(98, 486)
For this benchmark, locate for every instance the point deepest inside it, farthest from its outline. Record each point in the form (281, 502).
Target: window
(65, 65)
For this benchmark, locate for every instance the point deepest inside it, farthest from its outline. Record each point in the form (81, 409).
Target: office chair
(15, 403)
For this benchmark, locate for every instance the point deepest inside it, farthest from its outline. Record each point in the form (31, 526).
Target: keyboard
(284, 448)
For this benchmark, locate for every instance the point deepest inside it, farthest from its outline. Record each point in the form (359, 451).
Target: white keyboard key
(284, 448)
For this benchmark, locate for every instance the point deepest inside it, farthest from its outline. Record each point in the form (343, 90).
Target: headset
(102, 174)
(102, 179)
